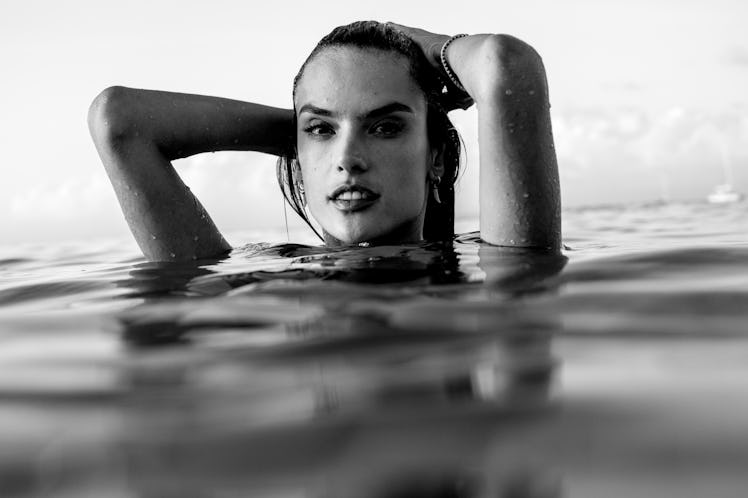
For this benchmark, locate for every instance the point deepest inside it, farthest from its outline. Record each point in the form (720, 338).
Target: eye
(389, 128)
(319, 129)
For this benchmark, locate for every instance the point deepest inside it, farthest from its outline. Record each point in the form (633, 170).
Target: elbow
(510, 63)
(110, 116)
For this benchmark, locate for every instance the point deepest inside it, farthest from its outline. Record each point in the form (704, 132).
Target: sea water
(617, 369)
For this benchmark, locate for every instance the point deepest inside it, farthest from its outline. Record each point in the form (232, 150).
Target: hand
(431, 45)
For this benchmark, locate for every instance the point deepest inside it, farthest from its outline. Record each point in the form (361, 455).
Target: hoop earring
(298, 181)
(302, 193)
(435, 182)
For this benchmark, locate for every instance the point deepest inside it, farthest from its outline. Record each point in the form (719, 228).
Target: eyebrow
(374, 113)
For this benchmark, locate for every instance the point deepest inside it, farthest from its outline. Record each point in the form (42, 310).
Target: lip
(365, 197)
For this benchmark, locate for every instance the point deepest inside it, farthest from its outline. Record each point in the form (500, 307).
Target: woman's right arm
(139, 132)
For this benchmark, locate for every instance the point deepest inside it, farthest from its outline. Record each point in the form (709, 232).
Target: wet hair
(442, 135)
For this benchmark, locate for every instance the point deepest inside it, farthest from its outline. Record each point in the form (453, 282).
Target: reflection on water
(304, 380)
(443, 370)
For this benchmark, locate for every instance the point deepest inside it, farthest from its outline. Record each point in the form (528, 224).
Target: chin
(371, 227)
(398, 234)
(356, 236)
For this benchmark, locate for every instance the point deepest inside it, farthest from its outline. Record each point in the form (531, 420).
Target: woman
(368, 147)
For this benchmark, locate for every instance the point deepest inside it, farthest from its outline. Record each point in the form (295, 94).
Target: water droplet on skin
(511, 241)
(153, 237)
(525, 195)
(172, 255)
(136, 194)
(508, 92)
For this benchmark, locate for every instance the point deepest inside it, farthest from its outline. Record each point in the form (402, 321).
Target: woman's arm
(520, 202)
(139, 132)
(519, 188)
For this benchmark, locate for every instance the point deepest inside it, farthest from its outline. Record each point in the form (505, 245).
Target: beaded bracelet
(448, 70)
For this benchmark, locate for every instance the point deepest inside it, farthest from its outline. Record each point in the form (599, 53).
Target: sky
(648, 97)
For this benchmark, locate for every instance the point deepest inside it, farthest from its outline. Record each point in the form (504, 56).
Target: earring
(435, 182)
(302, 193)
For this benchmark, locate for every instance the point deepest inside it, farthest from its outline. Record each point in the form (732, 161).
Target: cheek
(411, 168)
(309, 162)
(313, 181)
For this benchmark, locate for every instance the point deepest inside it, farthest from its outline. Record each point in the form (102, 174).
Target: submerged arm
(139, 132)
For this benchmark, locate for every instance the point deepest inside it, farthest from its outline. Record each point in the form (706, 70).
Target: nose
(351, 156)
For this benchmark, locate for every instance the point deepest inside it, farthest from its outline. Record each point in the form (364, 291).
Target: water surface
(616, 369)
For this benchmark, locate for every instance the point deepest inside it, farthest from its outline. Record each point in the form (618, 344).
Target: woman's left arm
(520, 202)
(519, 188)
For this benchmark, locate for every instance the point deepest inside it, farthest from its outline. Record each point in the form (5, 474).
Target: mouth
(351, 198)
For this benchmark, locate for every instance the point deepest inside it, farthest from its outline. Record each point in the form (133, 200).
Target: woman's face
(363, 146)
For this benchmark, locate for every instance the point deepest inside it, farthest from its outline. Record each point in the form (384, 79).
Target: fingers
(431, 44)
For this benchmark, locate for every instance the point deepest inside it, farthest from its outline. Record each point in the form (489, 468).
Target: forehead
(354, 79)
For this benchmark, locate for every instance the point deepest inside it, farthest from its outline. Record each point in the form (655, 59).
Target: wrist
(445, 66)
(454, 89)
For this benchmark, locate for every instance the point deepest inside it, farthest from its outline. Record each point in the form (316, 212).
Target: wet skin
(363, 146)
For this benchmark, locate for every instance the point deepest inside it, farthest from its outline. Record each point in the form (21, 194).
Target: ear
(298, 180)
(437, 162)
(296, 168)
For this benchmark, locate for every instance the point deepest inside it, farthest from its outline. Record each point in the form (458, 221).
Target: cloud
(584, 139)
(76, 207)
(54, 202)
(626, 155)
(239, 191)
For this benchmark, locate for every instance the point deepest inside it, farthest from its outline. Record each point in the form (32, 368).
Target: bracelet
(448, 70)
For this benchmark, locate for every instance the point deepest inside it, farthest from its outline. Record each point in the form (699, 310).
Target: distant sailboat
(725, 193)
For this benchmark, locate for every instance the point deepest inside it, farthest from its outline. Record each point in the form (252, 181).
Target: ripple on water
(413, 369)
